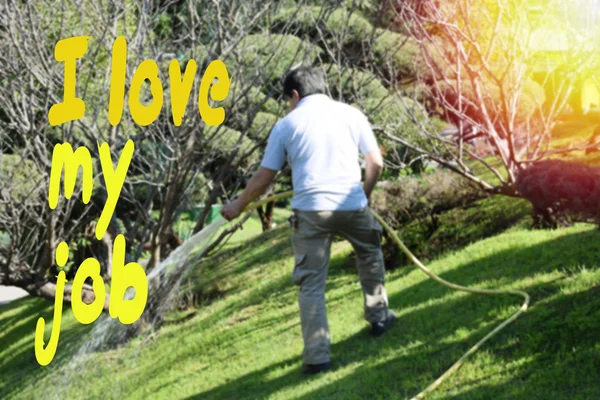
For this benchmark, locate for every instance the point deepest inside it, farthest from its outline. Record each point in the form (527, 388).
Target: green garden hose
(436, 278)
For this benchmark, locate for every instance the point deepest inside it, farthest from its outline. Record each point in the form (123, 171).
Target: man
(321, 139)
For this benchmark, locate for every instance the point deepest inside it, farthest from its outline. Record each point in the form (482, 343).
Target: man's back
(321, 138)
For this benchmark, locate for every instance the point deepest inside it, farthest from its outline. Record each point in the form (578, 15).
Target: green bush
(319, 23)
(404, 118)
(20, 178)
(199, 53)
(390, 110)
(242, 105)
(396, 55)
(225, 140)
(243, 99)
(270, 56)
(397, 116)
(423, 199)
(414, 197)
(200, 190)
(258, 125)
(262, 125)
(532, 96)
(351, 85)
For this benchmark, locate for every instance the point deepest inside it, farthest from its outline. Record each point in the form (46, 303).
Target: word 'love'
(73, 108)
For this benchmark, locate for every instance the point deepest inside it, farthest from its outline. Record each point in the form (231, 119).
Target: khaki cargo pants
(313, 232)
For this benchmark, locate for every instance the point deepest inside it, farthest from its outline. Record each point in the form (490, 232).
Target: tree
(487, 75)
(174, 167)
(171, 164)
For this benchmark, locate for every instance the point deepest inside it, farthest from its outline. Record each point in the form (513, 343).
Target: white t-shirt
(321, 139)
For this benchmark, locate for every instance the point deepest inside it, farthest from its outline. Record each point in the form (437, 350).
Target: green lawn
(246, 342)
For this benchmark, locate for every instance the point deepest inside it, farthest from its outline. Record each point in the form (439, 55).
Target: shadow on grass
(18, 365)
(246, 261)
(30, 309)
(513, 265)
(552, 351)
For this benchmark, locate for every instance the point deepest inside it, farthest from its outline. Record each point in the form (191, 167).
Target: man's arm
(373, 168)
(258, 185)
(367, 145)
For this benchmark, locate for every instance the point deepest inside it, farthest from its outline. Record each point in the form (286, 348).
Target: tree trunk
(212, 199)
(266, 215)
(47, 290)
(548, 218)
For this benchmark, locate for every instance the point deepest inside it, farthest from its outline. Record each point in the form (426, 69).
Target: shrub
(270, 56)
(560, 189)
(20, 178)
(198, 53)
(199, 190)
(396, 55)
(532, 96)
(392, 111)
(420, 198)
(258, 126)
(227, 140)
(415, 197)
(318, 23)
(392, 115)
(395, 115)
(262, 125)
(350, 85)
(241, 103)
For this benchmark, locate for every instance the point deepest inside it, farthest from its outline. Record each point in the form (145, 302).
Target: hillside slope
(244, 341)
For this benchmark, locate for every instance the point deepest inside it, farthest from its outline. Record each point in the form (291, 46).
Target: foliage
(430, 238)
(425, 196)
(262, 124)
(557, 187)
(270, 54)
(20, 177)
(350, 84)
(401, 117)
(244, 102)
(198, 53)
(396, 55)
(227, 140)
(323, 23)
(394, 113)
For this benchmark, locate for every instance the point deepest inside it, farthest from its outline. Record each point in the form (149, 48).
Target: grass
(253, 227)
(246, 343)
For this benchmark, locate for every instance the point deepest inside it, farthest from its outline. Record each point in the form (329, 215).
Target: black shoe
(316, 368)
(381, 327)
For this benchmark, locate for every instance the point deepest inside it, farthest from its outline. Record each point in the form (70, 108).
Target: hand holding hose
(232, 210)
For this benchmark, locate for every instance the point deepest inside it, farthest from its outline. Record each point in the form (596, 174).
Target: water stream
(163, 284)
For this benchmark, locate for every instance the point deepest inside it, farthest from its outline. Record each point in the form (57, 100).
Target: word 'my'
(123, 275)
(73, 108)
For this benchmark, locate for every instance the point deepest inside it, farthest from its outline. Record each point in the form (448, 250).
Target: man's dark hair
(306, 81)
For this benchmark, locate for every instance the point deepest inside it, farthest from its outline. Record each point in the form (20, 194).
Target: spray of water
(163, 284)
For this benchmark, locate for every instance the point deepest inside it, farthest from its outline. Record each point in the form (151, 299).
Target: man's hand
(232, 210)
(257, 186)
